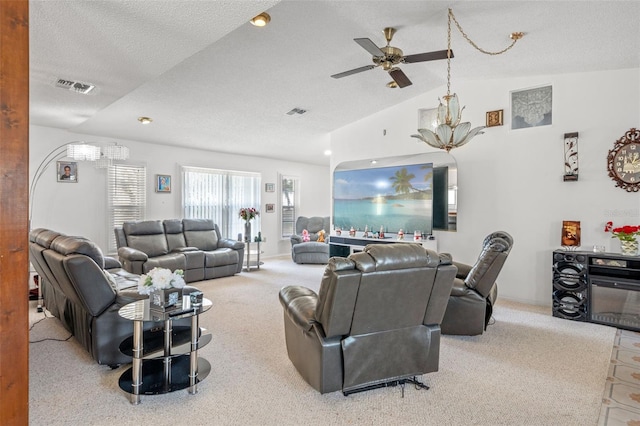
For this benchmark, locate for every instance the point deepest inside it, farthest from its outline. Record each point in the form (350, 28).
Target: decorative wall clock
(623, 161)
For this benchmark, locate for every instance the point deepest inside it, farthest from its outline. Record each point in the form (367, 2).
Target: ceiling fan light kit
(450, 132)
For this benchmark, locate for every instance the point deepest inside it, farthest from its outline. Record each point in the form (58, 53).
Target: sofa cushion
(78, 245)
(200, 233)
(173, 231)
(170, 261)
(43, 237)
(147, 236)
(220, 257)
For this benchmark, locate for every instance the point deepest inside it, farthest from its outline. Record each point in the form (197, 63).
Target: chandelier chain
(449, 54)
(466, 37)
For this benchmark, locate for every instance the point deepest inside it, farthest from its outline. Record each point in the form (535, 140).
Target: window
(127, 197)
(219, 195)
(289, 188)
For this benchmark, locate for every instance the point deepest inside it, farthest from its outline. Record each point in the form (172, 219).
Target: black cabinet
(603, 288)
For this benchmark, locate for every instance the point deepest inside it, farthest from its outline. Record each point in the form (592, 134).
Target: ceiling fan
(388, 57)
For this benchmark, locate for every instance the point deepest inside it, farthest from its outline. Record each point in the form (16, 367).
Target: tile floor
(621, 398)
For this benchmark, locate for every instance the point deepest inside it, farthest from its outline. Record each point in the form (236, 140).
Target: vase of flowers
(163, 287)
(628, 238)
(247, 214)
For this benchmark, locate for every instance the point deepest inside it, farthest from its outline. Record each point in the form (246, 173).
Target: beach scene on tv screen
(397, 197)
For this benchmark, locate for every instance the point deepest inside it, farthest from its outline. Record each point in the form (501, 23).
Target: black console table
(343, 246)
(171, 364)
(602, 288)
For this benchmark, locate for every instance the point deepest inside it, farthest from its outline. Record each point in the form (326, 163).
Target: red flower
(248, 213)
(625, 233)
(608, 227)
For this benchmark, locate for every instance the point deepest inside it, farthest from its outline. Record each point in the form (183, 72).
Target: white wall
(80, 208)
(511, 180)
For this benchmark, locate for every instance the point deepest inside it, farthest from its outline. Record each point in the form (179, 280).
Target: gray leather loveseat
(85, 290)
(193, 245)
(375, 321)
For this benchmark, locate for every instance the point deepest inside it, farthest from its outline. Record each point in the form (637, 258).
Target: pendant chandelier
(450, 132)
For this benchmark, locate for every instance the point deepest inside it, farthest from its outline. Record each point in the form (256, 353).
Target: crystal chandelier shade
(450, 132)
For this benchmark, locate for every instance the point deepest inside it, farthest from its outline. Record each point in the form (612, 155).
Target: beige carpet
(529, 368)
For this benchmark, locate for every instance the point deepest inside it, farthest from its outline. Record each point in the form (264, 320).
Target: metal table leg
(136, 369)
(193, 360)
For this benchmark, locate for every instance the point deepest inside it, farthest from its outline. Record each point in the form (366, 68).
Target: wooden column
(14, 206)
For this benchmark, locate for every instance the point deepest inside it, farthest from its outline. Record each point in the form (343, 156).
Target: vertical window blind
(127, 197)
(219, 195)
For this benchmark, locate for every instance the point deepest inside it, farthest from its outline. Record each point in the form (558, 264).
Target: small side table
(256, 248)
(171, 365)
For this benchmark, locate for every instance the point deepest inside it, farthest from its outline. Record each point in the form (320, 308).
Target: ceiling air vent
(76, 86)
(297, 111)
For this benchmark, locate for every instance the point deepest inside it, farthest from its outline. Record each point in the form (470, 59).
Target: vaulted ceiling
(211, 80)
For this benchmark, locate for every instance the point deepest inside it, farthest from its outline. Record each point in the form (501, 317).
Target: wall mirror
(444, 182)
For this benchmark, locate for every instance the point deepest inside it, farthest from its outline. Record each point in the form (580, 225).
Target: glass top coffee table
(167, 364)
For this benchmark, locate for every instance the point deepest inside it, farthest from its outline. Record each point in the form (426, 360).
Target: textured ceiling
(211, 80)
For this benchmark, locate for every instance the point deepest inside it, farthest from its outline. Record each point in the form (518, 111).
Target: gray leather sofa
(193, 245)
(375, 320)
(475, 290)
(85, 290)
(311, 251)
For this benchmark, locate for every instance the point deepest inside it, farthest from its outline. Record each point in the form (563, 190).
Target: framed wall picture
(494, 118)
(270, 187)
(67, 171)
(270, 208)
(531, 107)
(570, 233)
(163, 183)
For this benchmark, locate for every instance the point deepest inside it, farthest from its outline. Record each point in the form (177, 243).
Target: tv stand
(343, 246)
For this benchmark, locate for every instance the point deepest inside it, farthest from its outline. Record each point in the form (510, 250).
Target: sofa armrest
(299, 304)
(132, 254)
(229, 243)
(111, 263)
(463, 269)
(295, 239)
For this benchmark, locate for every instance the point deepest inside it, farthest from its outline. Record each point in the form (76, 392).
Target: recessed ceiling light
(261, 20)
(145, 120)
(374, 162)
(327, 152)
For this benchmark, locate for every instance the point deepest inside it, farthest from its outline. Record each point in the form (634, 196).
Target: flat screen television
(396, 197)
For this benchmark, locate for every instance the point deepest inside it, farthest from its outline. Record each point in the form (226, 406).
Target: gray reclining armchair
(311, 251)
(374, 322)
(475, 290)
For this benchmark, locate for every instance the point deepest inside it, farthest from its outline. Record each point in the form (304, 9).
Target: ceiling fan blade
(369, 46)
(400, 77)
(353, 71)
(428, 56)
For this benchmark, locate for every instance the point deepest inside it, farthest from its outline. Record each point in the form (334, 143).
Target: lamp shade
(83, 152)
(115, 152)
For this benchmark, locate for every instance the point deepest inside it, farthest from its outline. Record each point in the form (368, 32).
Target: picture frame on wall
(163, 183)
(494, 118)
(67, 171)
(270, 208)
(270, 187)
(532, 107)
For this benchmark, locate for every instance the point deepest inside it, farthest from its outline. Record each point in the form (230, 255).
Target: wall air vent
(76, 86)
(297, 111)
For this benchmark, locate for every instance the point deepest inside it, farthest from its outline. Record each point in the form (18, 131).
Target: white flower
(160, 278)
